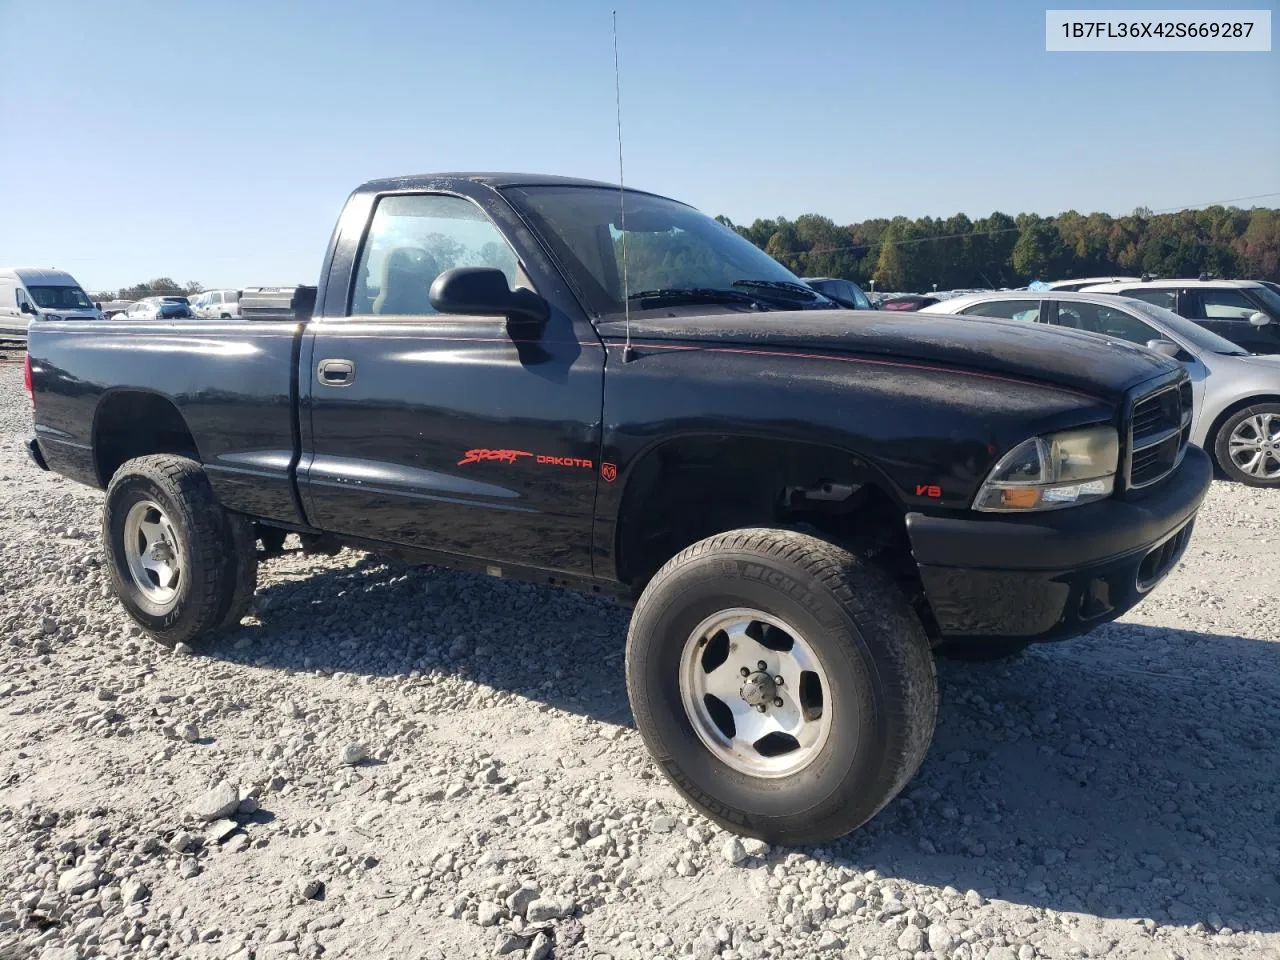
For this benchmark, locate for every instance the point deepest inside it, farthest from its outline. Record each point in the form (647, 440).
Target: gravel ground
(388, 761)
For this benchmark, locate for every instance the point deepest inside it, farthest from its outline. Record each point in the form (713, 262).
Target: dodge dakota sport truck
(803, 503)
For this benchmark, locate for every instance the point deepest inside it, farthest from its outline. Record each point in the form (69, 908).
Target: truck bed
(234, 383)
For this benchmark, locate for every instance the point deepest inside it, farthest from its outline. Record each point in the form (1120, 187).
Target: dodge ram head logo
(609, 471)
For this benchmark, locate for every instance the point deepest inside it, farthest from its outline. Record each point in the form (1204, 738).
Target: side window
(1108, 321)
(859, 297)
(1226, 304)
(1161, 298)
(1028, 310)
(415, 238)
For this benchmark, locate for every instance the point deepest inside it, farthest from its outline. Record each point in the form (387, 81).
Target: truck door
(450, 433)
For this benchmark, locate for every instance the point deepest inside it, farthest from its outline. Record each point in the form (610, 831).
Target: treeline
(159, 287)
(1005, 251)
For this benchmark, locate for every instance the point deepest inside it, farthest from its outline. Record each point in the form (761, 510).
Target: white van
(30, 292)
(217, 305)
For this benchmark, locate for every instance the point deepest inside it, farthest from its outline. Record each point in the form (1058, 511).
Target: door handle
(336, 373)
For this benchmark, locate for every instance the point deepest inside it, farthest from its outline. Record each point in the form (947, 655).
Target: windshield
(670, 247)
(1270, 299)
(1193, 333)
(60, 298)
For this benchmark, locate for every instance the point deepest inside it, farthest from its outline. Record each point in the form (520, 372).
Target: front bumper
(1053, 575)
(34, 452)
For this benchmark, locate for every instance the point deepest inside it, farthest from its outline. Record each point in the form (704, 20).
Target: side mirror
(1166, 348)
(97, 304)
(27, 308)
(1259, 320)
(483, 291)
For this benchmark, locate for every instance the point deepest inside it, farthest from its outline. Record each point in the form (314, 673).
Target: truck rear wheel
(182, 565)
(784, 685)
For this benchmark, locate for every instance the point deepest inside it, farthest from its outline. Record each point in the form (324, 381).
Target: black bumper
(1053, 575)
(33, 451)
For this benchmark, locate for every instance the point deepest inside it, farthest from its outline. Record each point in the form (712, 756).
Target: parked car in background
(217, 305)
(909, 301)
(1237, 394)
(110, 308)
(1246, 312)
(844, 292)
(158, 308)
(1067, 286)
(30, 292)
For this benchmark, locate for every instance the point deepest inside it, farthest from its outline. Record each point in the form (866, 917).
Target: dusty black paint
(915, 408)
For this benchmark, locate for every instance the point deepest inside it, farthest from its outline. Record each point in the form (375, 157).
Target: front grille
(1159, 429)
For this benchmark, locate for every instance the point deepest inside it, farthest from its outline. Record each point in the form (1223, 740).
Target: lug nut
(760, 708)
(777, 681)
(762, 665)
(745, 671)
(777, 701)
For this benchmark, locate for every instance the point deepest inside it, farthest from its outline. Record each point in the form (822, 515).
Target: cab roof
(39, 276)
(496, 181)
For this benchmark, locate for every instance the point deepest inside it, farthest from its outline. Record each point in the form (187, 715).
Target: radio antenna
(627, 355)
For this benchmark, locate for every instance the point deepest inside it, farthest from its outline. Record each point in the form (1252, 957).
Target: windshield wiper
(787, 285)
(695, 295)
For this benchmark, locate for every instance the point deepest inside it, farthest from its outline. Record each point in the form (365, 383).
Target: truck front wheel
(784, 685)
(182, 565)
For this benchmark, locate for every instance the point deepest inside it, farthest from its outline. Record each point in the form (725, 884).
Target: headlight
(50, 316)
(1060, 470)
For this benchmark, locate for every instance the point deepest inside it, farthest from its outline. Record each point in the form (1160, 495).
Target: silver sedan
(1237, 394)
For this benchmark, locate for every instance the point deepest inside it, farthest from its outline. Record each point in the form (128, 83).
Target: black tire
(871, 645)
(1221, 445)
(220, 564)
(980, 650)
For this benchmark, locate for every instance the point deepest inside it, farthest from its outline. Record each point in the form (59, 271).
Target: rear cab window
(1026, 310)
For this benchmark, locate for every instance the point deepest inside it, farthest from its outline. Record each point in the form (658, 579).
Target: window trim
(357, 261)
(1041, 312)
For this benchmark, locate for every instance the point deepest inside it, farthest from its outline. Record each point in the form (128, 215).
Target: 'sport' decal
(501, 456)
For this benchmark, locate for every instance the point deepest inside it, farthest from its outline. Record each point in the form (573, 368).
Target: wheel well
(1211, 437)
(132, 423)
(695, 487)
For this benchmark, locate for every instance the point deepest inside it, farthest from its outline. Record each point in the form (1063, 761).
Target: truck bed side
(226, 392)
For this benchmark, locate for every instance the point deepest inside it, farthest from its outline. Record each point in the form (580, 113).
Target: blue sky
(217, 141)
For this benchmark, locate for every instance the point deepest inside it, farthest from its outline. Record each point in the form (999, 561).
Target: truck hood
(1011, 348)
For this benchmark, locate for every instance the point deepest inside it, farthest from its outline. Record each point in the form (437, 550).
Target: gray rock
(734, 851)
(220, 830)
(249, 805)
(540, 949)
(756, 848)
(189, 732)
(519, 901)
(309, 889)
(663, 823)
(79, 879)
(221, 801)
(911, 940)
(508, 943)
(549, 909)
(353, 753)
(133, 890)
(1001, 953)
(57, 953)
(941, 940)
(488, 914)
(182, 650)
(828, 940)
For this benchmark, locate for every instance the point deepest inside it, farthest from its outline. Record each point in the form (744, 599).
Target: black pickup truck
(804, 503)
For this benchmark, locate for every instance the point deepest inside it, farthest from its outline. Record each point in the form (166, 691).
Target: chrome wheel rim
(1254, 446)
(153, 552)
(730, 670)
